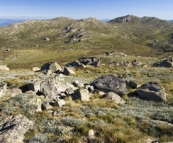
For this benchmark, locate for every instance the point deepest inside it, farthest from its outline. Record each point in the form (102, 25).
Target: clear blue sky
(101, 9)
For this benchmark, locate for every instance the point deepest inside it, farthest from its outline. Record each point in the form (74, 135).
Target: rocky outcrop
(110, 83)
(151, 91)
(165, 63)
(13, 129)
(115, 97)
(3, 88)
(51, 67)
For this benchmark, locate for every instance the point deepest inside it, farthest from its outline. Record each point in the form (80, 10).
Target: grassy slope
(97, 38)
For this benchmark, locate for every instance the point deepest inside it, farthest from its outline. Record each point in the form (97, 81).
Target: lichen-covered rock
(151, 91)
(13, 128)
(110, 83)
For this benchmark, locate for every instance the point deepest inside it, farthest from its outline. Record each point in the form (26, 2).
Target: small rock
(36, 69)
(115, 97)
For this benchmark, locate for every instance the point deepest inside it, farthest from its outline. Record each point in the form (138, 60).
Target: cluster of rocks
(53, 67)
(85, 61)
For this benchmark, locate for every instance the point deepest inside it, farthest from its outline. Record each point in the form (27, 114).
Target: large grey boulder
(51, 67)
(110, 83)
(115, 97)
(3, 88)
(54, 86)
(13, 129)
(152, 91)
(164, 63)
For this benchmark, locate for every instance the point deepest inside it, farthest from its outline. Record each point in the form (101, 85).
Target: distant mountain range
(5, 22)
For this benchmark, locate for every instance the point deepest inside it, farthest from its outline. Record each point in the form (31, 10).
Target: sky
(78, 9)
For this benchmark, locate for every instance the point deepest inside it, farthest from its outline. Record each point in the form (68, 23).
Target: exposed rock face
(122, 19)
(3, 88)
(109, 83)
(165, 63)
(151, 91)
(51, 67)
(89, 61)
(113, 96)
(4, 67)
(12, 129)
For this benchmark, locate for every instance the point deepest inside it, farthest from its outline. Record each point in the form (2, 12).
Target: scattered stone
(151, 91)
(90, 61)
(36, 69)
(115, 97)
(68, 71)
(3, 88)
(4, 67)
(82, 94)
(13, 129)
(110, 83)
